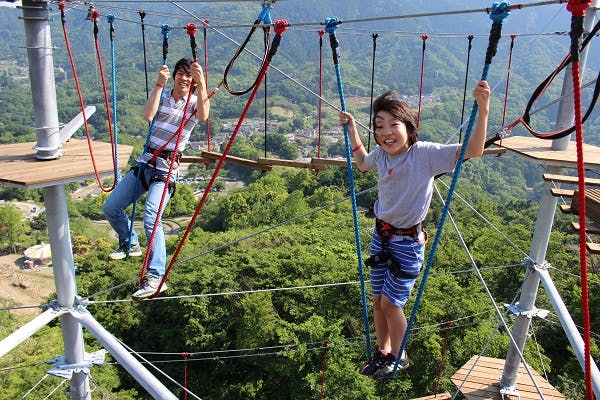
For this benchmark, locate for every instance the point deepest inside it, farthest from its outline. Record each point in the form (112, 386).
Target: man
(165, 110)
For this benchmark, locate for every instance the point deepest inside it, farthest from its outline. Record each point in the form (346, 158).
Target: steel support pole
(66, 290)
(41, 78)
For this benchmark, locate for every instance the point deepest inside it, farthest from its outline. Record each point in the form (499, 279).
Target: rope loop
(578, 7)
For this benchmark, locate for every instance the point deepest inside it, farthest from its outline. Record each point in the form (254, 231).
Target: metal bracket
(509, 392)
(534, 312)
(63, 370)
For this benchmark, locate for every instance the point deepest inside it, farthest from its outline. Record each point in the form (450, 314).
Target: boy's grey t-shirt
(406, 180)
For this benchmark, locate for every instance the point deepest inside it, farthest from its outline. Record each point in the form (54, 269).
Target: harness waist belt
(386, 230)
(164, 154)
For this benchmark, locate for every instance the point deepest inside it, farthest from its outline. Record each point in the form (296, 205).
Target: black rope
(237, 54)
(374, 36)
(462, 113)
(142, 16)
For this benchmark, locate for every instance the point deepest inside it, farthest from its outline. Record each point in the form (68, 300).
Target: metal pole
(541, 237)
(138, 371)
(66, 290)
(41, 77)
(27, 330)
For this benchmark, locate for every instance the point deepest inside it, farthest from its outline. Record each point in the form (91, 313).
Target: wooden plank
(20, 168)
(560, 192)
(570, 179)
(592, 228)
(565, 208)
(541, 151)
(439, 396)
(285, 163)
(593, 248)
(482, 381)
(330, 162)
(494, 151)
(235, 160)
(592, 203)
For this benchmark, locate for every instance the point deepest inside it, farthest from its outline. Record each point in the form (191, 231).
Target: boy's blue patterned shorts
(410, 255)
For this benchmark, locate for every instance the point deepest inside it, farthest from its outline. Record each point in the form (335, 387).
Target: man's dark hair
(183, 64)
(390, 101)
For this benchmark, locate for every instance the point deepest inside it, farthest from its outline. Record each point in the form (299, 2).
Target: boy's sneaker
(148, 288)
(121, 253)
(372, 364)
(387, 366)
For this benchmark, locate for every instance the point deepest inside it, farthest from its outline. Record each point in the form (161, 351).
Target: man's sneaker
(372, 364)
(121, 253)
(149, 287)
(387, 366)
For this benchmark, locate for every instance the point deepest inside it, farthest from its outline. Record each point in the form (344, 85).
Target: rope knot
(499, 11)
(165, 29)
(281, 26)
(191, 29)
(578, 7)
(331, 24)
(265, 14)
(95, 15)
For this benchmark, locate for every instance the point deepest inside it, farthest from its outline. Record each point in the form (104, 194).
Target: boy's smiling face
(391, 133)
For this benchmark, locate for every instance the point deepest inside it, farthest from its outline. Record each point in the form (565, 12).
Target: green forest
(265, 298)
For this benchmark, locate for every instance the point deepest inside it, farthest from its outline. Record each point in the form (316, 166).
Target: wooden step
(565, 208)
(560, 192)
(592, 203)
(592, 229)
(593, 248)
(570, 179)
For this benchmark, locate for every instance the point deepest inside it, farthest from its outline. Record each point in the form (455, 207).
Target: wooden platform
(539, 150)
(440, 396)
(483, 383)
(19, 167)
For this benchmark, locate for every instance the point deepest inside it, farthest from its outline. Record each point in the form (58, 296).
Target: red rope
(280, 27)
(578, 8)
(424, 39)
(185, 355)
(61, 7)
(205, 24)
(95, 17)
(324, 367)
(442, 361)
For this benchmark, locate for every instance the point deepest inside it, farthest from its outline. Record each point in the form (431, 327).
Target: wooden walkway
(540, 150)
(19, 167)
(483, 382)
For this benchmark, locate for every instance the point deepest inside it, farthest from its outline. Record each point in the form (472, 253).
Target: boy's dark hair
(183, 64)
(390, 101)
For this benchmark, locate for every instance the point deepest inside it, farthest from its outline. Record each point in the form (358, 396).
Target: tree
(13, 227)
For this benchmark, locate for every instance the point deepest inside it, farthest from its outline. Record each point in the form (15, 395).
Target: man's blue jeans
(130, 189)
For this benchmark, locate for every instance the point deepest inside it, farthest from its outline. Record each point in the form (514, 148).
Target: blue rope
(499, 12)
(111, 19)
(330, 27)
